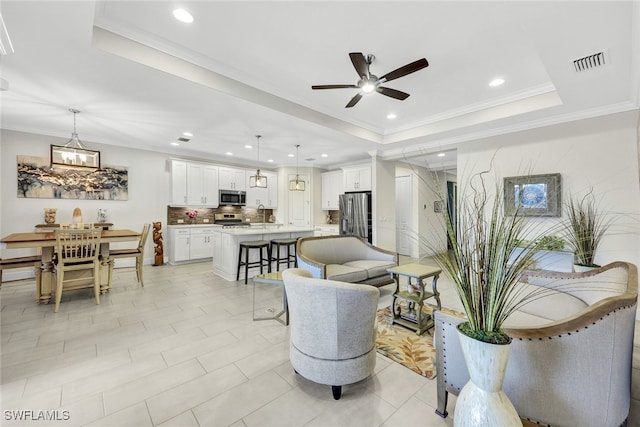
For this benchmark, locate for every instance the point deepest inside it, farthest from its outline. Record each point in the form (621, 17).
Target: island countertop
(226, 245)
(259, 229)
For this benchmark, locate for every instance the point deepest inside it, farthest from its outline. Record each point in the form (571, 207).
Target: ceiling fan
(369, 83)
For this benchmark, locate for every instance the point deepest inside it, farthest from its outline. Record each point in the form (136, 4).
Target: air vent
(589, 62)
(183, 139)
(310, 159)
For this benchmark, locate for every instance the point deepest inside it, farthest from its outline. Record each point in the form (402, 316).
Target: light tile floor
(184, 351)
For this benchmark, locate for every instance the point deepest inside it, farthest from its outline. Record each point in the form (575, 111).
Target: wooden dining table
(46, 243)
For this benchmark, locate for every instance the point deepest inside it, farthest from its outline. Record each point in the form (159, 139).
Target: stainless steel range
(230, 220)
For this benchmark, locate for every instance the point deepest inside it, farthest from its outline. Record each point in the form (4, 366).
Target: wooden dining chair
(137, 253)
(78, 264)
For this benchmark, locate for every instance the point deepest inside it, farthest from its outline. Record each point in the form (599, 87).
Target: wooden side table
(276, 279)
(414, 295)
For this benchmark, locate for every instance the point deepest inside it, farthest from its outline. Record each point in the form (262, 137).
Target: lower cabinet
(190, 243)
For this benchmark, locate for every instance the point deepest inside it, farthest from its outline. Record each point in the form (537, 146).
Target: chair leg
(239, 264)
(139, 270)
(96, 281)
(59, 277)
(337, 391)
(246, 264)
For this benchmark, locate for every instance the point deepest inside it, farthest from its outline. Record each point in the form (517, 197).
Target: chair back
(75, 246)
(143, 237)
(340, 321)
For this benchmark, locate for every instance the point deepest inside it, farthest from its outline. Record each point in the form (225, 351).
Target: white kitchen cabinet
(232, 179)
(178, 183)
(201, 243)
(332, 187)
(190, 243)
(265, 196)
(357, 178)
(202, 185)
(225, 254)
(179, 248)
(193, 184)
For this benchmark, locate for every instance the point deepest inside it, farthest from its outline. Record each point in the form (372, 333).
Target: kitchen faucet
(263, 214)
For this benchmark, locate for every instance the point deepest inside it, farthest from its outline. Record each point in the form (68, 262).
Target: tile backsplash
(206, 215)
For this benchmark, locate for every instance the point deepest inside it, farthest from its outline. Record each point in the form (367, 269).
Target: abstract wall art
(37, 179)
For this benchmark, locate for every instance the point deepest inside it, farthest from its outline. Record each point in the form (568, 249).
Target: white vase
(481, 402)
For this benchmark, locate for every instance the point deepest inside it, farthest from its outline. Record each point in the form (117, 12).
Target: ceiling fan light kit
(74, 154)
(369, 83)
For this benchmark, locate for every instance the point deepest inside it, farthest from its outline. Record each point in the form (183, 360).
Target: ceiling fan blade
(360, 64)
(354, 100)
(392, 93)
(407, 69)
(334, 87)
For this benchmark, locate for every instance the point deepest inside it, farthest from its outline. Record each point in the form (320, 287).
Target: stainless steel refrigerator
(355, 215)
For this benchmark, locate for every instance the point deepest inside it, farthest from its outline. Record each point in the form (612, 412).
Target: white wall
(148, 190)
(599, 153)
(383, 184)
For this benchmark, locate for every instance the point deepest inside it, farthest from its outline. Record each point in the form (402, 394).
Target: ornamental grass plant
(482, 260)
(584, 228)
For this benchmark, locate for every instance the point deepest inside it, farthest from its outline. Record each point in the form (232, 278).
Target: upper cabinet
(202, 181)
(263, 196)
(357, 178)
(178, 183)
(232, 179)
(332, 187)
(194, 184)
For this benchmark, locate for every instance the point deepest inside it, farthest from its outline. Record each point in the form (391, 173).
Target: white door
(300, 203)
(405, 232)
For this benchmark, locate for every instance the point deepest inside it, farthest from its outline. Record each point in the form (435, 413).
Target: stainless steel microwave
(232, 197)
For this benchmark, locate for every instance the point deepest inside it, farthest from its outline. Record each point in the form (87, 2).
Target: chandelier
(74, 154)
(258, 180)
(296, 184)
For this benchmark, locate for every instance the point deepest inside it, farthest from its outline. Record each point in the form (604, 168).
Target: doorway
(300, 203)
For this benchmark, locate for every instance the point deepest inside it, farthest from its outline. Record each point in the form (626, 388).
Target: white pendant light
(74, 154)
(258, 180)
(296, 184)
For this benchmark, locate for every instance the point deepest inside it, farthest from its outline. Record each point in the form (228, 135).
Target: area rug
(404, 346)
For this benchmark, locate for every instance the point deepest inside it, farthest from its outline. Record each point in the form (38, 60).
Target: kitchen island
(227, 242)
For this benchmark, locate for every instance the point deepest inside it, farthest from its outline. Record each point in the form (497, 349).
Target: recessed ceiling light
(189, 134)
(324, 155)
(175, 144)
(248, 146)
(270, 160)
(496, 82)
(391, 116)
(441, 154)
(290, 155)
(229, 153)
(183, 16)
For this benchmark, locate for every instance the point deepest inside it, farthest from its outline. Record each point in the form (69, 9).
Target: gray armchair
(333, 333)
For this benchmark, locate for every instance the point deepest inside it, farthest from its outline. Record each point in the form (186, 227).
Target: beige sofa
(345, 259)
(570, 360)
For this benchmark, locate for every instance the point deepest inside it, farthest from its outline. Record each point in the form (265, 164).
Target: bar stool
(275, 256)
(247, 246)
